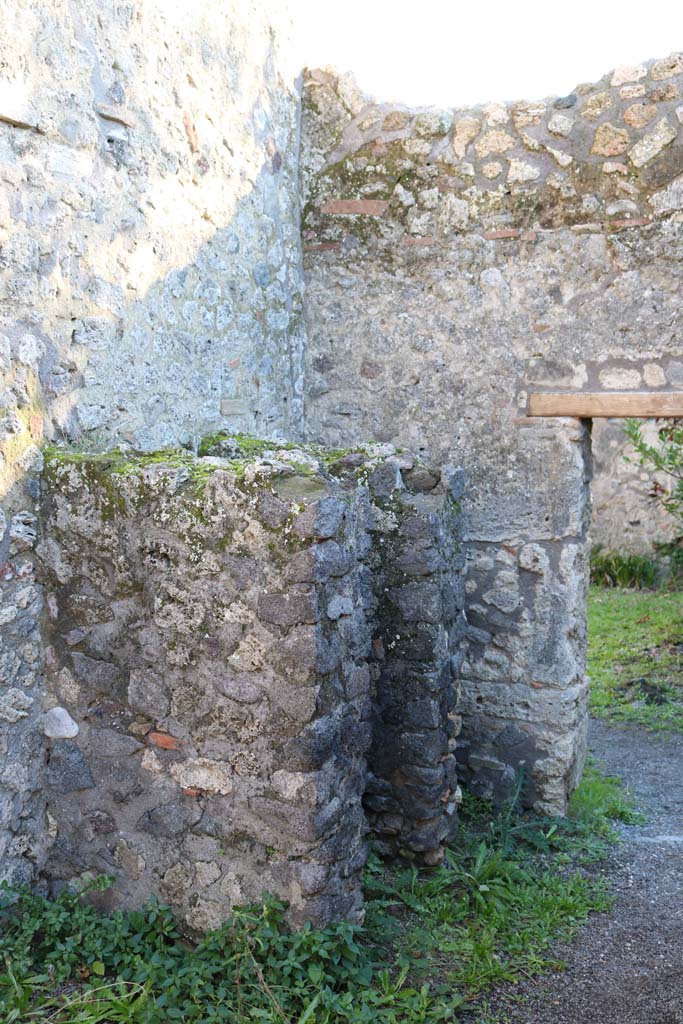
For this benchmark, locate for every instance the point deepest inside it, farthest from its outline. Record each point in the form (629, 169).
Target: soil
(626, 966)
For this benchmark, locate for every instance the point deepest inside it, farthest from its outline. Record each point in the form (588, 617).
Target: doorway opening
(635, 598)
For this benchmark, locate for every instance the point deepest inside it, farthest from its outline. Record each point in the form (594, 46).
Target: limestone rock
(667, 68)
(647, 148)
(494, 141)
(609, 140)
(59, 725)
(465, 131)
(492, 169)
(639, 115)
(627, 73)
(521, 171)
(560, 124)
(597, 104)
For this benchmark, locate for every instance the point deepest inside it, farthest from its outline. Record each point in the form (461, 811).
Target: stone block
(67, 769)
(287, 608)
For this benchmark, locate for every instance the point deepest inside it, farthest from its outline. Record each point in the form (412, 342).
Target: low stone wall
(209, 701)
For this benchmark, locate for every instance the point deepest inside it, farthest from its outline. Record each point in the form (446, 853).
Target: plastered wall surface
(455, 260)
(150, 269)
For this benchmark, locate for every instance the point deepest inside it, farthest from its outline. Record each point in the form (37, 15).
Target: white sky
(451, 53)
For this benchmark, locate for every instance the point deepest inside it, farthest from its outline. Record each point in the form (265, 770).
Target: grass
(434, 941)
(635, 656)
(512, 888)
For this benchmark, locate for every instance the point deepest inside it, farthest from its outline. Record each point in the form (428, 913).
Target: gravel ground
(625, 967)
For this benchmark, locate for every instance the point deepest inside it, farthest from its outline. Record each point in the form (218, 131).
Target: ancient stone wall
(209, 701)
(150, 272)
(223, 647)
(150, 282)
(625, 517)
(455, 260)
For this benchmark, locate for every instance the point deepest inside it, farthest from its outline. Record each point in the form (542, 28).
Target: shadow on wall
(150, 284)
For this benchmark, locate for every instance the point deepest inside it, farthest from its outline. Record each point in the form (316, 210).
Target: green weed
(435, 940)
(64, 963)
(601, 800)
(512, 887)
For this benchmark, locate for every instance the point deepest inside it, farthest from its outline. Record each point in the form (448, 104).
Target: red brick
(163, 740)
(528, 236)
(355, 207)
(191, 132)
(634, 222)
(321, 246)
(35, 425)
(502, 233)
(419, 240)
(190, 791)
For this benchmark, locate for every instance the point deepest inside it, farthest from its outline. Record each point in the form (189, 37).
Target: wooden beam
(606, 404)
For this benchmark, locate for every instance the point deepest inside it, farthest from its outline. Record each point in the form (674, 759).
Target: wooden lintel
(606, 404)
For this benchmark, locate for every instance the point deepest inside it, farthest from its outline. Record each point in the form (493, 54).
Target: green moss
(241, 447)
(103, 472)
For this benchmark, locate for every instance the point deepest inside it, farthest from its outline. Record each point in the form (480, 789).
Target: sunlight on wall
(446, 53)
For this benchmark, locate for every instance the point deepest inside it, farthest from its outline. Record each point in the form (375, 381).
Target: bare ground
(625, 967)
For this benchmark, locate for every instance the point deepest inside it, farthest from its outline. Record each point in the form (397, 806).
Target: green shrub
(613, 569)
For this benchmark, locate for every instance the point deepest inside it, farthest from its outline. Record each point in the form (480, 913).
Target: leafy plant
(495, 909)
(136, 966)
(601, 800)
(666, 456)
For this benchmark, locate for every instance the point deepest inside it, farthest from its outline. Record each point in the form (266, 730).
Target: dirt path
(626, 967)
